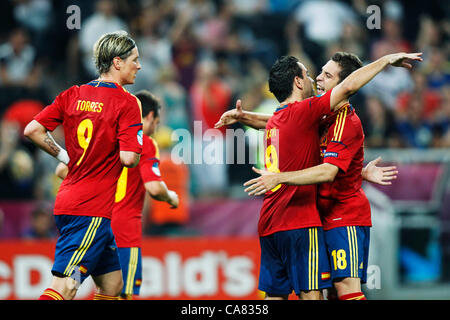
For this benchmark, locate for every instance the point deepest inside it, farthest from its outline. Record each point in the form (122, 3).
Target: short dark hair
(148, 103)
(348, 62)
(282, 75)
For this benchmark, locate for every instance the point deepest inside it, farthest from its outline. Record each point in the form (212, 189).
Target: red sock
(353, 296)
(50, 294)
(99, 296)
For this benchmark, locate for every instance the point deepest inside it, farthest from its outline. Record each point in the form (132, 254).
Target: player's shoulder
(150, 147)
(309, 101)
(302, 105)
(348, 119)
(128, 95)
(130, 99)
(151, 142)
(73, 89)
(351, 114)
(69, 93)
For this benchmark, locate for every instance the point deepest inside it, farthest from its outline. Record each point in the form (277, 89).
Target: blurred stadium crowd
(199, 56)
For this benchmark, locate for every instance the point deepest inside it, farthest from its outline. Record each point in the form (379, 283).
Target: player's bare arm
(39, 135)
(251, 119)
(62, 170)
(129, 159)
(318, 174)
(268, 180)
(159, 191)
(379, 175)
(362, 76)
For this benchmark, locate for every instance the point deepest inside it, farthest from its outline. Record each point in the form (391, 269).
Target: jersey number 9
(83, 138)
(272, 162)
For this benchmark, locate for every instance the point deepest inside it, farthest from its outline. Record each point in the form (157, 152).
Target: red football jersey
(100, 119)
(127, 213)
(343, 202)
(292, 143)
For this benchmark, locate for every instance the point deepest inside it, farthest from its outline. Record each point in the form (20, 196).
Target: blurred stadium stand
(228, 47)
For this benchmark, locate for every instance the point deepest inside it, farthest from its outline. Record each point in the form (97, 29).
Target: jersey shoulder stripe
(339, 125)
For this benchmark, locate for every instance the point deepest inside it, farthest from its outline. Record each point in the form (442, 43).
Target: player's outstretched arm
(379, 175)
(158, 191)
(362, 76)
(268, 180)
(251, 119)
(37, 133)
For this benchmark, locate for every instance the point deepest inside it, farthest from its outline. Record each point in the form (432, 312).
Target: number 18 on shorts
(348, 250)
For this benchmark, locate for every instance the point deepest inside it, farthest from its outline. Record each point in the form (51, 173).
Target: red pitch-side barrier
(178, 268)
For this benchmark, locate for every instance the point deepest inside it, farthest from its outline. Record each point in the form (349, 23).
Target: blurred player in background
(289, 210)
(131, 188)
(343, 206)
(103, 131)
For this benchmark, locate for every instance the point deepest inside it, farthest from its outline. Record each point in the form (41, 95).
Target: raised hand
(379, 175)
(230, 117)
(401, 59)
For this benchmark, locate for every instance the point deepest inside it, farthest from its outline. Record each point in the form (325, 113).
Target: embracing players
(290, 230)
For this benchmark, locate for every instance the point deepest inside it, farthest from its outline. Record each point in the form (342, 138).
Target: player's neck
(108, 77)
(292, 99)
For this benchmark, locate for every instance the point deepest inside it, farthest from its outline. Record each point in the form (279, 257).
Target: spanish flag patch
(83, 269)
(325, 275)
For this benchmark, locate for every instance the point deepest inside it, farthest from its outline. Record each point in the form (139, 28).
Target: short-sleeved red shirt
(127, 213)
(100, 119)
(343, 202)
(292, 143)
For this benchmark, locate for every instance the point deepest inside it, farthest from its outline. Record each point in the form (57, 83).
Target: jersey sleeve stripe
(344, 116)
(339, 126)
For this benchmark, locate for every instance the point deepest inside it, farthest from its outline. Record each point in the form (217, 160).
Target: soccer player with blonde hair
(103, 132)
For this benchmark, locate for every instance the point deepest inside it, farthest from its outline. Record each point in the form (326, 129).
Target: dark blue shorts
(348, 250)
(131, 262)
(294, 260)
(86, 246)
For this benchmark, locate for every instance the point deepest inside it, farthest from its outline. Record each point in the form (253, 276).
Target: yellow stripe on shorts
(84, 246)
(313, 260)
(132, 267)
(353, 248)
